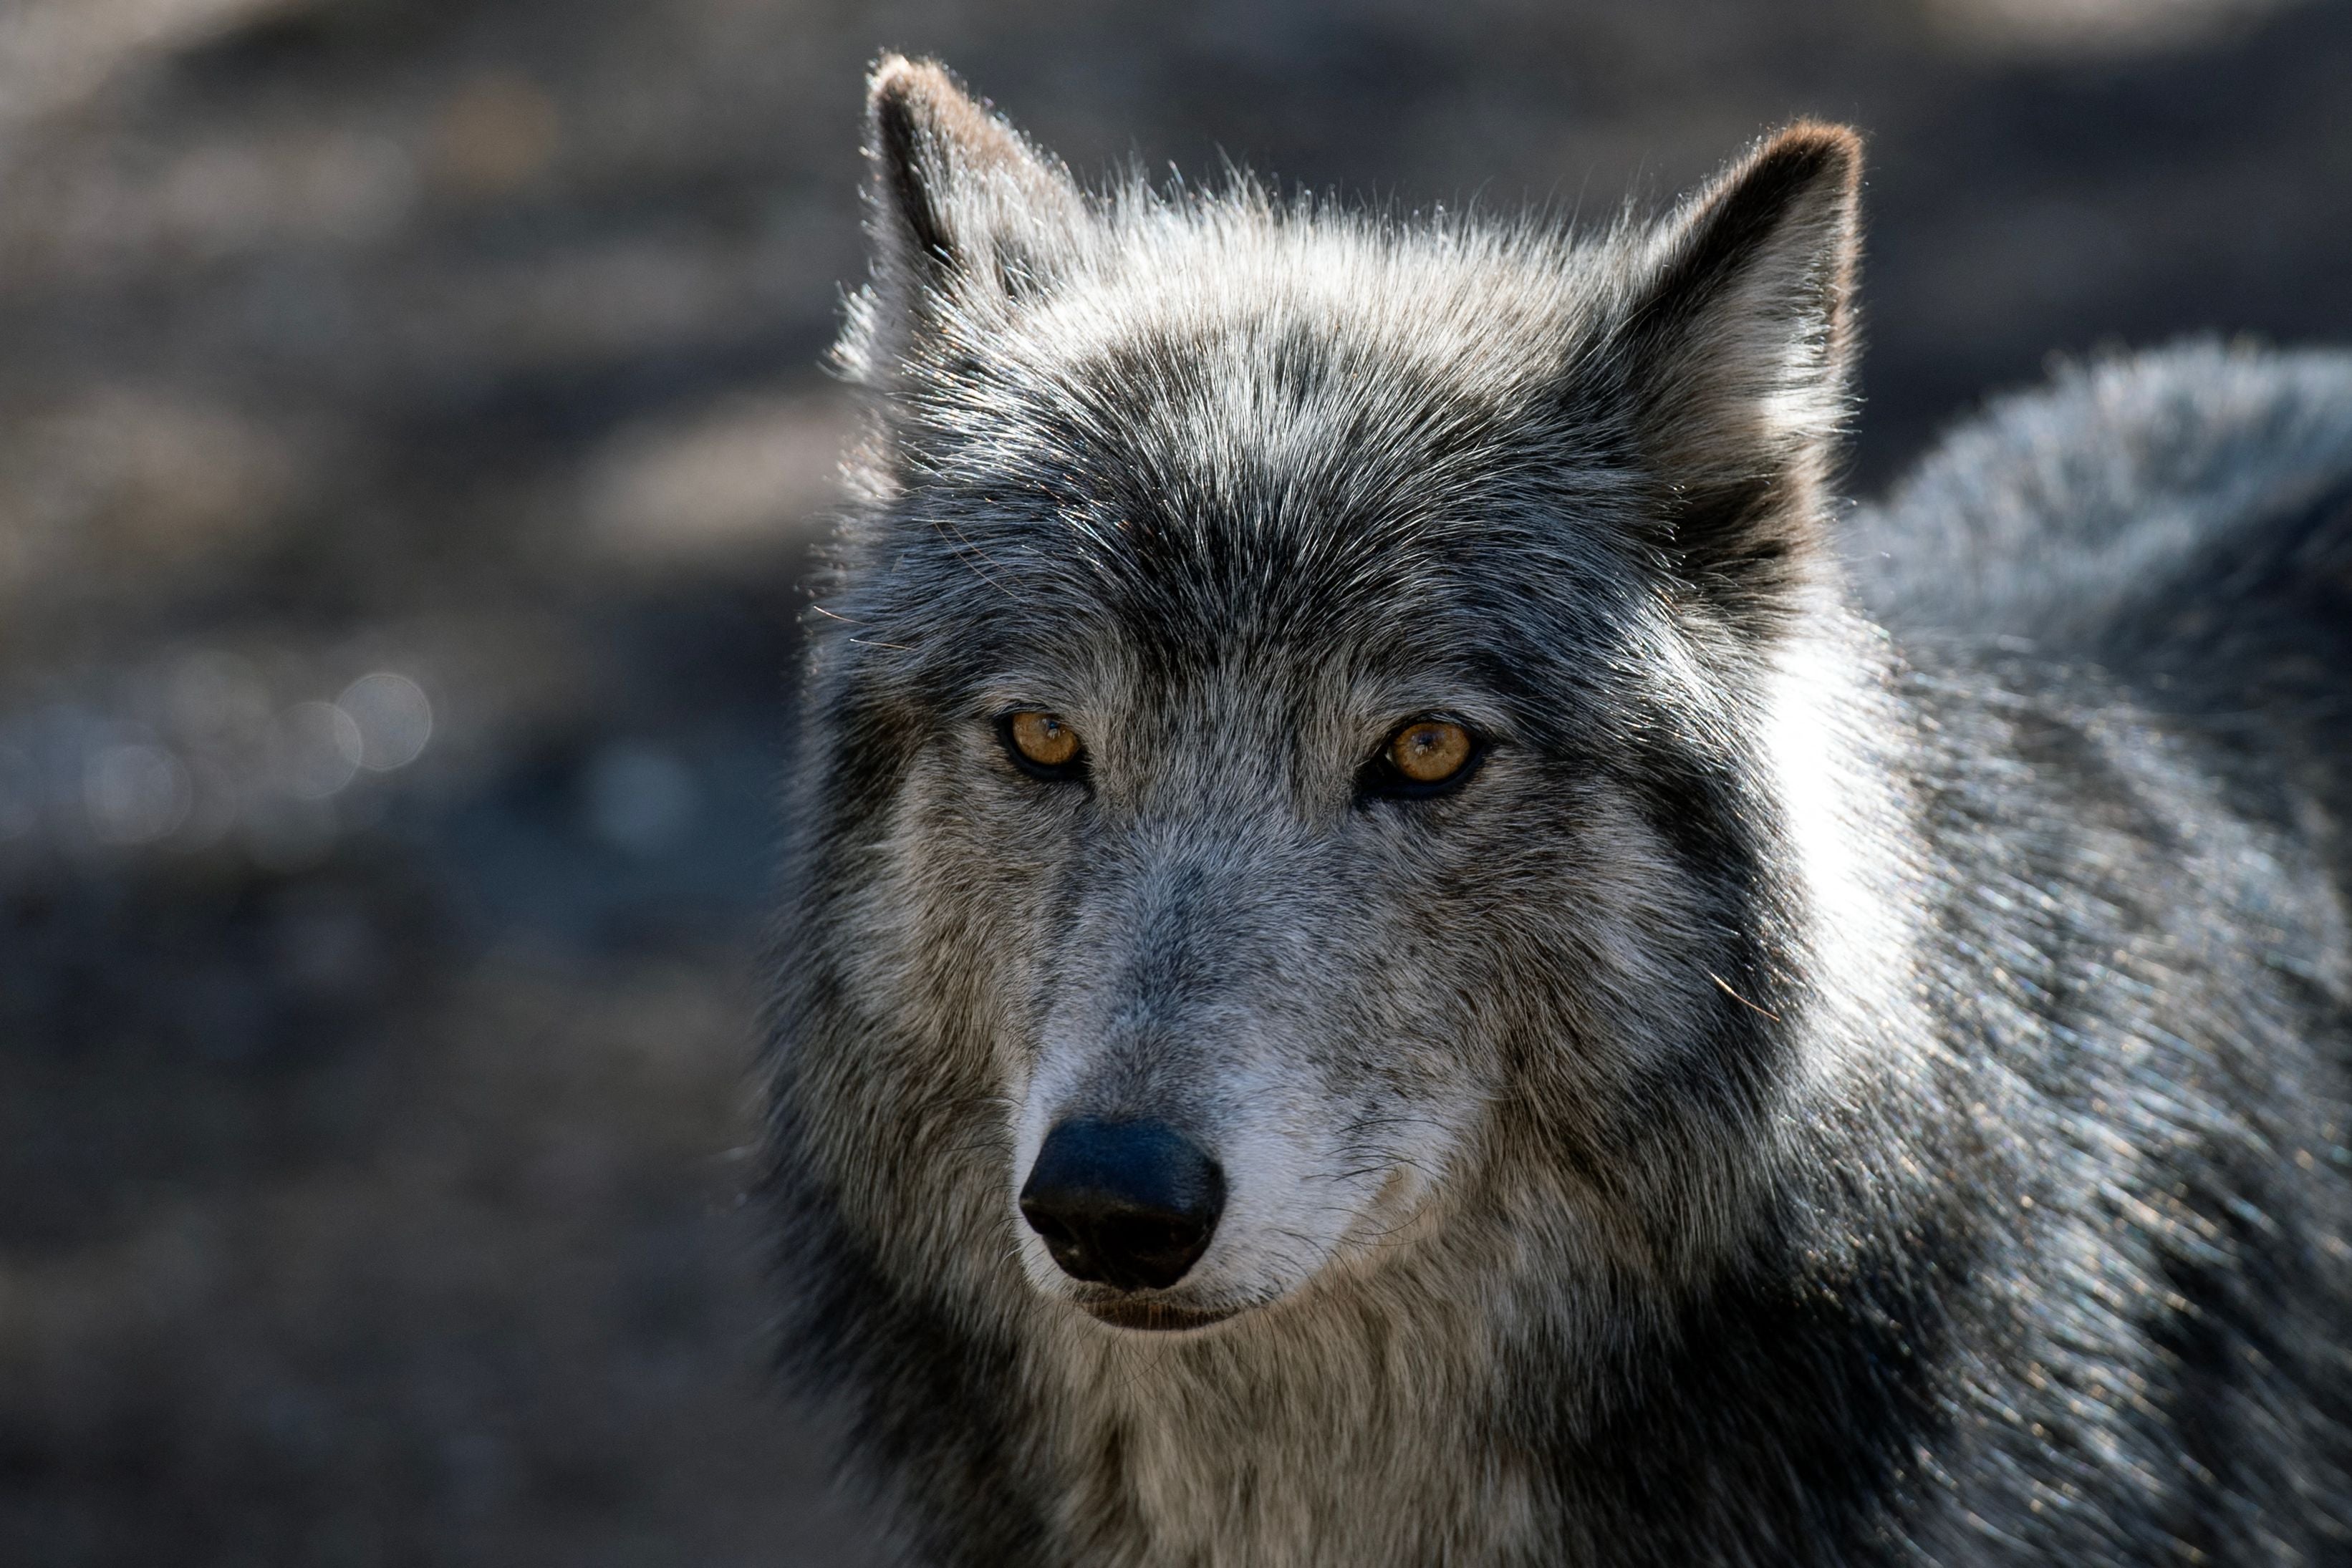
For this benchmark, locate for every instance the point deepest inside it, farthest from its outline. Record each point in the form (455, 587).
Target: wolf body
(1812, 1087)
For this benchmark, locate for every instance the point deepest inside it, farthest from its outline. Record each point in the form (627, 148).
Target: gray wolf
(1398, 950)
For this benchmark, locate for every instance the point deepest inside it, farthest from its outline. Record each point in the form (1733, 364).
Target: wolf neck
(1834, 746)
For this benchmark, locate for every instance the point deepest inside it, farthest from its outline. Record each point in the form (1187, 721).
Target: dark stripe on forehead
(1267, 479)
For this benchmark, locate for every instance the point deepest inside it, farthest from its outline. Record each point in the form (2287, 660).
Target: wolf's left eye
(1427, 757)
(1044, 744)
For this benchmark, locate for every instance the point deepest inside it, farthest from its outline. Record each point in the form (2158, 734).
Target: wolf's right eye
(1427, 757)
(1430, 751)
(1043, 744)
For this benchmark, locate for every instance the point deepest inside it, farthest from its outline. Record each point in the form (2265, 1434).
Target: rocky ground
(409, 431)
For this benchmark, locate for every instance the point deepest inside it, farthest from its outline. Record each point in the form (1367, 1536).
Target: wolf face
(1288, 698)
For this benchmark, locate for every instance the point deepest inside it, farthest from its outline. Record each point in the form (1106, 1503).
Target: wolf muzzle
(1130, 1204)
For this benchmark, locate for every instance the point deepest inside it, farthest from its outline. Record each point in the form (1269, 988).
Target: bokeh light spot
(317, 751)
(395, 719)
(135, 793)
(639, 797)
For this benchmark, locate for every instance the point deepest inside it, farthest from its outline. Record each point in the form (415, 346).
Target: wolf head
(1328, 760)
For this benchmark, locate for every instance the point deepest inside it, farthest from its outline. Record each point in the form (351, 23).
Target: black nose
(1127, 1203)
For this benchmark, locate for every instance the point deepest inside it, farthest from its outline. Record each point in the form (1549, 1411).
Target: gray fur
(1816, 1093)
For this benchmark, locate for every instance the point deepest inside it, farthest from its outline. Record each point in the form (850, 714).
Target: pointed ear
(958, 204)
(1737, 352)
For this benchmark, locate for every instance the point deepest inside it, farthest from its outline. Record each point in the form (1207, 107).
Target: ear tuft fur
(958, 201)
(1783, 219)
(926, 138)
(1742, 334)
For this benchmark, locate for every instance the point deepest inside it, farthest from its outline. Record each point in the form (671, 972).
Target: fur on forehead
(1229, 394)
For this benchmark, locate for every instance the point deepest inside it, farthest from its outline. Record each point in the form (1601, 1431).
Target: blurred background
(410, 433)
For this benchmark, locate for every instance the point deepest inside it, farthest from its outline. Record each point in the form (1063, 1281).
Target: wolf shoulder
(2152, 554)
(2203, 472)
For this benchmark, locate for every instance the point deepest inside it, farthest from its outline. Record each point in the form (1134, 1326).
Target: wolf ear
(1736, 353)
(957, 203)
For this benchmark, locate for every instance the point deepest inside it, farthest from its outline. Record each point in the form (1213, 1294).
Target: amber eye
(1042, 741)
(1430, 750)
(1427, 757)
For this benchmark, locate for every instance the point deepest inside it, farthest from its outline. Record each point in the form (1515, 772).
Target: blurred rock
(742, 478)
(2093, 28)
(494, 134)
(126, 486)
(54, 52)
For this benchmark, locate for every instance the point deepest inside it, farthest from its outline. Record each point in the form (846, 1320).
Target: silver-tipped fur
(1380, 967)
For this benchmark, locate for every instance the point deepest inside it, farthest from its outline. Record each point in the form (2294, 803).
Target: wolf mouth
(1160, 1317)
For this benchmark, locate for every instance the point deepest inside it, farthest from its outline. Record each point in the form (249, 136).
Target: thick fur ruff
(1855, 1072)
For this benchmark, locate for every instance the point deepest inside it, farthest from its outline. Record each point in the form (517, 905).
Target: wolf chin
(1402, 945)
